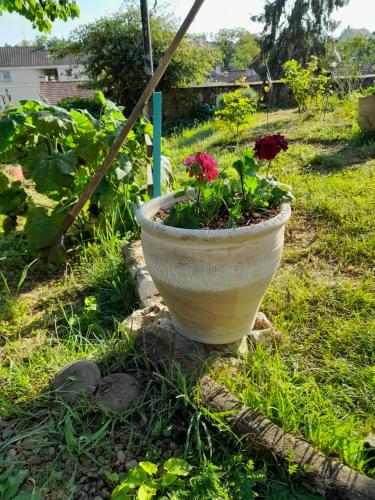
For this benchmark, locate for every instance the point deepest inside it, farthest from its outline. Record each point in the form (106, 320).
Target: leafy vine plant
(59, 151)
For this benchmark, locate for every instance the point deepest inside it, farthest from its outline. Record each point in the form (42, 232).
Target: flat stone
(265, 337)
(76, 379)
(369, 441)
(117, 392)
(136, 266)
(262, 322)
(142, 319)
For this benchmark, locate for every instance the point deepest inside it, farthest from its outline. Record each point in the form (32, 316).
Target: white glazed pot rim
(168, 200)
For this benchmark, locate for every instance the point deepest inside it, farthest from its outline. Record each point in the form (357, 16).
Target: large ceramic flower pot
(211, 280)
(366, 113)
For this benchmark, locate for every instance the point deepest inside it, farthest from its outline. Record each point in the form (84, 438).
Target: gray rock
(267, 336)
(121, 457)
(77, 378)
(117, 392)
(131, 464)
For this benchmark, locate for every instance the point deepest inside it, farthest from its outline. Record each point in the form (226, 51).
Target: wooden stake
(135, 114)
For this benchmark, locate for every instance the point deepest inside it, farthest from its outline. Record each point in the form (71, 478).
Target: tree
(42, 12)
(238, 47)
(112, 51)
(294, 29)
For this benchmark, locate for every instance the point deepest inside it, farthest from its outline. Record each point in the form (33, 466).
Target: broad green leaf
(52, 121)
(149, 467)
(13, 200)
(40, 228)
(177, 466)
(168, 479)
(145, 492)
(121, 492)
(51, 172)
(135, 477)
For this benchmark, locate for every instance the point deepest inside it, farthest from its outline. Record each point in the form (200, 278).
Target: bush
(236, 110)
(308, 85)
(93, 105)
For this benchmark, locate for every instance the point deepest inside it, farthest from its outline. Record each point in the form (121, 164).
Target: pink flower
(202, 166)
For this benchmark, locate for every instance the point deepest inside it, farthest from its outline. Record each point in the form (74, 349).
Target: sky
(214, 15)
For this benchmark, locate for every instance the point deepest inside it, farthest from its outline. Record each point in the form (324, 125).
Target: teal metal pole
(157, 106)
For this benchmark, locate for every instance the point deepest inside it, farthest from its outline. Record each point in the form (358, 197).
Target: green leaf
(53, 121)
(135, 477)
(13, 200)
(177, 466)
(183, 215)
(51, 172)
(41, 228)
(4, 182)
(149, 467)
(121, 492)
(145, 492)
(168, 479)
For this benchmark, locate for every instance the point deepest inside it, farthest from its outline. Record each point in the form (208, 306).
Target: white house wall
(24, 82)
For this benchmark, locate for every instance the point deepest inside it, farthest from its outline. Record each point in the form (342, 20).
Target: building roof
(53, 92)
(234, 75)
(12, 57)
(349, 32)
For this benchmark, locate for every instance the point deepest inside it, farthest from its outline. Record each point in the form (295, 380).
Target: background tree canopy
(42, 13)
(294, 29)
(238, 47)
(112, 52)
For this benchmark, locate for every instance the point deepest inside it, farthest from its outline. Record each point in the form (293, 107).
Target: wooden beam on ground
(130, 122)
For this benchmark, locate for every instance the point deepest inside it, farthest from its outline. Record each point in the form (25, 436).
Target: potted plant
(366, 110)
(213, 247)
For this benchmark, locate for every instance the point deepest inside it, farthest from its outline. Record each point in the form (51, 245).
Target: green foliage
(237, 46)
(59, 151)
(309, 85)
(10, 484)
(346, 60)
(94, 105)
(294, 29)
(230, 200)
(236, 112)
(142, 480)
(114, 57)
(41, 14)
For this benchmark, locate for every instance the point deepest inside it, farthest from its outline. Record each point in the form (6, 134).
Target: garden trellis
(137, 110)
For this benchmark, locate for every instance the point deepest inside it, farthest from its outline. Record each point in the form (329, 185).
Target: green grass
(321, 382)
(52, 449)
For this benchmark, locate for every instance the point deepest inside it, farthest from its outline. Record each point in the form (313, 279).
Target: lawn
(319, 383)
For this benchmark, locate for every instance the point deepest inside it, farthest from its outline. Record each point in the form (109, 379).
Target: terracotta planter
(211, 280)
(366, 113)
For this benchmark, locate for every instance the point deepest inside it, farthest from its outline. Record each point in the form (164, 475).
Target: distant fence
(191, 102)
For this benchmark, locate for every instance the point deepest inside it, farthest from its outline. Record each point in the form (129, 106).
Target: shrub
(94, 106)
(308, 85)
(236, 111)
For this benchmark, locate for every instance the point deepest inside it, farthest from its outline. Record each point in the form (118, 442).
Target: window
(5, 76)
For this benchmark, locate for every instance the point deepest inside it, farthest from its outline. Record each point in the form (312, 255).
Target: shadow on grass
(351, 154)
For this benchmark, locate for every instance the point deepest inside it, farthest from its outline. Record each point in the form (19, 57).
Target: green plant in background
(236, 112)
(60, 151)
(93, 105)
(309, 85)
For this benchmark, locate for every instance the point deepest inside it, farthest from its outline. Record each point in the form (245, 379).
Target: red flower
(268, 147)
(202, 166)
